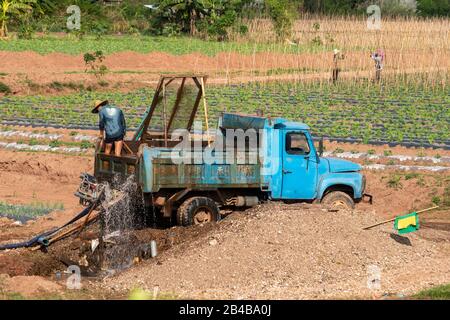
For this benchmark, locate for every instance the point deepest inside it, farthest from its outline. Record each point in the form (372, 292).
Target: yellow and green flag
(407, 223)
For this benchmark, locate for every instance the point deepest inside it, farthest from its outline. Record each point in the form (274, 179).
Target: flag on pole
(407, 223)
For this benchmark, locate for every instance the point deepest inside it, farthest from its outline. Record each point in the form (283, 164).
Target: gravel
(281, 251)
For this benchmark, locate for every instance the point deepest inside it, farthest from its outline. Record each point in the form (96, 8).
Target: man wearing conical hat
(112, 126)
(337, 55)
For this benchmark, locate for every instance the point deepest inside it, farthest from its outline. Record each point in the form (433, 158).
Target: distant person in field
(112, 126)
(337, 55)
(378, 58)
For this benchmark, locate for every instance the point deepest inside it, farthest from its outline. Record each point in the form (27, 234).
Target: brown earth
(54, 177)
(131, 70)
(29, 286)
(291, 252)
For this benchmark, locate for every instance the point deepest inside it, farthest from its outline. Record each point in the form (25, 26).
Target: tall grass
(410, 44)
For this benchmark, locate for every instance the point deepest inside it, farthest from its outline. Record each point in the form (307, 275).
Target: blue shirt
(112, 121)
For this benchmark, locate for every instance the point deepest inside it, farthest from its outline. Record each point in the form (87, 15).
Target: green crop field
(147, 44)
(404, 114)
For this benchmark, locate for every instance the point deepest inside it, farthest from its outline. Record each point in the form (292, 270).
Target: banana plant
(11, 8)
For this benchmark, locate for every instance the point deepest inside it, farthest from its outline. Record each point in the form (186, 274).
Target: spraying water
(120, 205)
(120, 214)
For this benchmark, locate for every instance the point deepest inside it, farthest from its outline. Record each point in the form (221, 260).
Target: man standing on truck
(112, 126)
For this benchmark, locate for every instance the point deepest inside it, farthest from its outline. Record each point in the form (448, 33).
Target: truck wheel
(338, 200)
(197, 210)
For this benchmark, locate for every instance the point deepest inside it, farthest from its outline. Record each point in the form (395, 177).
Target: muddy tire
(197, 210)
(338, 200)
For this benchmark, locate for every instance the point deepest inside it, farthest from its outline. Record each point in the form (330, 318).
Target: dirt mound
(287, 251)
(29, 286)
(39, 164)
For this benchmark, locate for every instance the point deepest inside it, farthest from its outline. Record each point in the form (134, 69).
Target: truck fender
(346, 180)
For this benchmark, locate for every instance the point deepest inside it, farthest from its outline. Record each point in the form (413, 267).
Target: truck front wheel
(338, 200)
(197, 210)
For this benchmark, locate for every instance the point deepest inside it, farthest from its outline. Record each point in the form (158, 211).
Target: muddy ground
(27, 176)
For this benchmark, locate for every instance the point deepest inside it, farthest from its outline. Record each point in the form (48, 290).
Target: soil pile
(292, 252)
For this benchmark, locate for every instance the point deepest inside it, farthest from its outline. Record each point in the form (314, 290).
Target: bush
(398, 8)
(55, 144)
(4, 88)
(93, 62)
(282, 13)
(428, 8)
(25, 31)
(207, 17)
(217, 25)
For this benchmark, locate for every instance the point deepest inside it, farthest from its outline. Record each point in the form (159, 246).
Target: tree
(433, 7)
(282, 13)
(186, 12)
(11, 8)
(188, 15)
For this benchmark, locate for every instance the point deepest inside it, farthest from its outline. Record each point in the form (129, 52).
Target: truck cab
(303, 174)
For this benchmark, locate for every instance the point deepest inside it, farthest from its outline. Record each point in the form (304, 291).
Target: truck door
(299, 172)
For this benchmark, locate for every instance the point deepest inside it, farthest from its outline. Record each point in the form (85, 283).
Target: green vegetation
(394, 182)
(283, 13)
(439, 292)
(209, 17)
(402, 114)
(146, 44)
(13, 9)
(28, 212)
(411, 175)
(55, 144)
(436, 200)
(200, 18)
(446, 196)
(4, 88)
(93, 62)
(59, 86)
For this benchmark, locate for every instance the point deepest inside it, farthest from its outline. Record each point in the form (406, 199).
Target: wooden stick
(71, 230)
(205, 110)
(390, 220)
(67, 231)
(128, 148)
(86, 219)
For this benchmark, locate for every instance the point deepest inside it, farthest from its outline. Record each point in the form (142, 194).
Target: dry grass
(411, 45)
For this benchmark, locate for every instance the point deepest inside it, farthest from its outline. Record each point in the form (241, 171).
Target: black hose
(37, 239)
(42, 239)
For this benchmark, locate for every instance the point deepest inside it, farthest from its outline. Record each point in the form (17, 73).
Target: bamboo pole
(390, 220)
(205, 108)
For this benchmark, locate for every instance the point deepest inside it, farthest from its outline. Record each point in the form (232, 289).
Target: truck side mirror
(321, 147)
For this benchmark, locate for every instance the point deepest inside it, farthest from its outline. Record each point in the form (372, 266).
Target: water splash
(120, 205)
(120, 214)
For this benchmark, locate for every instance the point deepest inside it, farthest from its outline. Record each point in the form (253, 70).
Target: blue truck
(185, 177)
